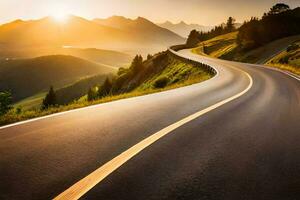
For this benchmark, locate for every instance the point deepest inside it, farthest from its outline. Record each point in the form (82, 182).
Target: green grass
(225, 47)
(179, 74)
(284, 67)
(31, 103)
(219, 46)
(64, 95)
(289, 61)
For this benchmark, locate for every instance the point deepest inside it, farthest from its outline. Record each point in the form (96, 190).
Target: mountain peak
(117, 17)
(18, 21)
(182, 23)
(142, 19)
(168, 23)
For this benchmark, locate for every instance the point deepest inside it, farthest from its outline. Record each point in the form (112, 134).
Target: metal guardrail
(172, 51)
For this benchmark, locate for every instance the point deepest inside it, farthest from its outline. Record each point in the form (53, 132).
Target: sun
(60, 17)
(59, 13)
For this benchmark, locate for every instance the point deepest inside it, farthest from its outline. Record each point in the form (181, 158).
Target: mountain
(48, 32)
(27, 77)
(79, 32)
(183, 29)
(150, 34)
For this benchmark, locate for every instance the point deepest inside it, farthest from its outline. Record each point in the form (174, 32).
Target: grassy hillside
(256, 41)
(159, 73)
(289, 59)
(220, 47)
(161, 68)
(273, 54)
(225, 47)
(64, 95)
(32, 102)
(28, 77)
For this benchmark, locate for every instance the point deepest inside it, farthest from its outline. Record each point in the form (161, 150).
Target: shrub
(18, 110)
(284, 60)
(161, 82)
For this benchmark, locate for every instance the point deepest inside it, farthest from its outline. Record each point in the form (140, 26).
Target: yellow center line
(84, 185)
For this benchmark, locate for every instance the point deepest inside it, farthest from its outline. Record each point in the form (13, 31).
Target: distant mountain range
(117, 33)
(183, 29)
(143, 30)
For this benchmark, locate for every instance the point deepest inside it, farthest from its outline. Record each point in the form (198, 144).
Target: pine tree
(50, 99)
(5, 102)
(230, 24)
(105, 89)
(91, 95)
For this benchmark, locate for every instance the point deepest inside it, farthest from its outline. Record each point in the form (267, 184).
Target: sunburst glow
(59, 13)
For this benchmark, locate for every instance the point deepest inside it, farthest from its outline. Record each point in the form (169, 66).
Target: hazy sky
(207, 12)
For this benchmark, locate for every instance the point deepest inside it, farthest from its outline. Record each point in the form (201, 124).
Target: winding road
(235, 136)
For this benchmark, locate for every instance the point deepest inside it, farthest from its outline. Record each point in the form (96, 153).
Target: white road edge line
(290, 74)
(84, 185)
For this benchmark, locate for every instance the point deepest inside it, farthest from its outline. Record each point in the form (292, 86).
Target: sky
(205, 12)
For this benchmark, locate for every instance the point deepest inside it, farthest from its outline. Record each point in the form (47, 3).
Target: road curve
(245, 149)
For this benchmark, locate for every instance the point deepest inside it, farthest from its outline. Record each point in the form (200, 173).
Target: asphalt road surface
(248, 148)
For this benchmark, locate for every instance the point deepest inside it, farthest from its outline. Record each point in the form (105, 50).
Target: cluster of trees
(195, 37)
(114, 86)
(279, 22)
